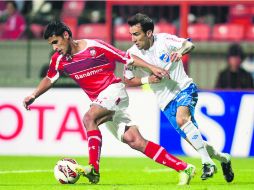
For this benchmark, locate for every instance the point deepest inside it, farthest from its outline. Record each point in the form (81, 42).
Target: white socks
(222, 157)
(195, 138)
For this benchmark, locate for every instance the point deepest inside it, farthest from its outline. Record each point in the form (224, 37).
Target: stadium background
(54, 127)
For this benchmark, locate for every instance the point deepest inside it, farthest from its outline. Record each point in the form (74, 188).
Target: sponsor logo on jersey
(165, 57)
(87, 74)
(92, 52)
(174, 39)
(195, 137)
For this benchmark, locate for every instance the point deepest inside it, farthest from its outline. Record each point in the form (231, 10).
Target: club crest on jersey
(92, 52)
(68, 57)
(165, 57)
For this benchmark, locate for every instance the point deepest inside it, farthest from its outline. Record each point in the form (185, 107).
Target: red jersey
(92, 68)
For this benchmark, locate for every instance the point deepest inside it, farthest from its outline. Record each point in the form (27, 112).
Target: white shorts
(117, 126)
(115, 98)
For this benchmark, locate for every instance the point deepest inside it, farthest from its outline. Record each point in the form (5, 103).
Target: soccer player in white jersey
(177, 96)
(91, 64)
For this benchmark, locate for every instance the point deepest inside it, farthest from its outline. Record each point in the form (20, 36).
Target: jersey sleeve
(173, 42)
(53, 71)
(131, 71)
(128, 72)
(115, 54)
(135, 51)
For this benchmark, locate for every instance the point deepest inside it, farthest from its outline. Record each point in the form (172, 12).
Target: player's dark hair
(56, 28)
(142, 19)
(235, 50)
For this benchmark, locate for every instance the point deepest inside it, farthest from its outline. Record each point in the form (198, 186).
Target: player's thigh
(186, 102)
(98, 114)
(170, 113)
(186, 109)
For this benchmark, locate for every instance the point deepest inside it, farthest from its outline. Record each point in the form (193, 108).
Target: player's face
(139, 37)
(60, 44)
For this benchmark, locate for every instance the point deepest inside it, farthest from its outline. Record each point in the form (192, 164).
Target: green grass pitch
(32, 173)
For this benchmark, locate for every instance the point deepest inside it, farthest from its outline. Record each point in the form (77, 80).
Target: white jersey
(159, 55)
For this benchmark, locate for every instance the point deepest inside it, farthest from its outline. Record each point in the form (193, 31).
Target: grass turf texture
(25, 173)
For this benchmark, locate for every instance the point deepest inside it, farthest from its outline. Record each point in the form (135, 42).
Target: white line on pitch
(35, 171)
(24, 171)
(103, 170)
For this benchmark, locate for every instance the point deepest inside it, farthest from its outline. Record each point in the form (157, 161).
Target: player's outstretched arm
(136, 81)
(155, 70)
(186, 48)
(44, 85)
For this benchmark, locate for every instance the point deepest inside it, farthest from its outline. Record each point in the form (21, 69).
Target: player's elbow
(190, 45)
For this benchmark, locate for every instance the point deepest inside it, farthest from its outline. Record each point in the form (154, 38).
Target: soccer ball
(64, 171)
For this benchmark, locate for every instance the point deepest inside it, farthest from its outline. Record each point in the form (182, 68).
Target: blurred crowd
(30, 17)
(22, 19)
(14, 23)
(239, 72)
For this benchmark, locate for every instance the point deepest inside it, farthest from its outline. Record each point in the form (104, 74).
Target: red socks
(152, 150)
(160, 155)
(94, 148)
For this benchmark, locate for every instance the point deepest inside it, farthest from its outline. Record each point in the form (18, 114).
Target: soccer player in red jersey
(91, 64)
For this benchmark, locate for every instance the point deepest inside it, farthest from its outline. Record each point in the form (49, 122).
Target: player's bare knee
(133, 138)
(181, 120)
(128, 136)
(182, 115)
(88, 119)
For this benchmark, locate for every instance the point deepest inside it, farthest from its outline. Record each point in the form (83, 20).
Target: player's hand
(159, 72)
(175, 56)
(28, 101)
(154, 79)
